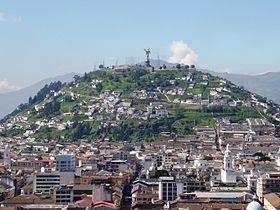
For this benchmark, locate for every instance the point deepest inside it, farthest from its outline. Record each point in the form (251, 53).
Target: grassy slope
(185, 117)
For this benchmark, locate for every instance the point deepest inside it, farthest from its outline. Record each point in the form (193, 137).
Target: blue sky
(39, 39)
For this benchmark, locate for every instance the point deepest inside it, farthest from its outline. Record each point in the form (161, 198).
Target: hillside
(9, 101)
(266, 85)
(133, 103)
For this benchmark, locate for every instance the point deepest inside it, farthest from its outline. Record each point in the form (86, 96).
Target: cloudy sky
(40, 39)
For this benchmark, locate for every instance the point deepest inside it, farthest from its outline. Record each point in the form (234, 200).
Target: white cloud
(9, 18)
(5, 87)
(16, 19)
(2, 17)
(182, 54)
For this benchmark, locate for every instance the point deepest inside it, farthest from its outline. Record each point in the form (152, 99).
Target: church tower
(227, 159)
(228, 175)
(7, 157)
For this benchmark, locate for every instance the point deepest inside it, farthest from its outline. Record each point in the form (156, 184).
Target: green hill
(131, 103)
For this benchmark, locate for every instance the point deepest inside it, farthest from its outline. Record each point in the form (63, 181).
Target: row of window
(48, 180)
(63, 196)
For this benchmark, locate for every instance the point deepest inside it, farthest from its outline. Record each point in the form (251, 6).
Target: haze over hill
(9, 101)
(266, 84)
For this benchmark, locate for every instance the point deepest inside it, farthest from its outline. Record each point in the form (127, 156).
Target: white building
(167, 188)
(200, 163)
(278, 158)
(252, 181)
(7, 157)
(228, 175)
(170, 188)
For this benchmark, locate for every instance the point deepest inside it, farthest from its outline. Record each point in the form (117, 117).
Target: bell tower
(7, 157)
(227, 159)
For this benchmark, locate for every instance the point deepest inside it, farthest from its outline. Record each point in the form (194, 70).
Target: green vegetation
(262, 157)
(72, 105)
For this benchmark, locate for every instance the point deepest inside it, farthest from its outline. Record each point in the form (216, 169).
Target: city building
(65, 162)
(228, 175)
(268, 183)
(7, 157)
(44, 183)
(170, 187)
(64, 194)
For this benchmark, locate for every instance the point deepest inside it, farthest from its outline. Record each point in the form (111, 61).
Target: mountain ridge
(10, 100)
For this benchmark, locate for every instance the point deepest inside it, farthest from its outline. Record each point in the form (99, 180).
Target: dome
(254, 205)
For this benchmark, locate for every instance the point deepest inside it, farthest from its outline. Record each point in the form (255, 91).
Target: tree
(178, 66)
(30, 101)
(261, 157)
(186, 67)
(45, 91)
(193, 66)
(50, 108)
(258, 154)
(76, 77)
(98, 87)
(264, 159)
(87, 77)
(164, 66)
(101, 66)
(277, 131)
(81, 130)
(160, 173)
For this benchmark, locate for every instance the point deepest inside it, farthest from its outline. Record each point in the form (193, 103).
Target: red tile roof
(103, 203)
(85, 201)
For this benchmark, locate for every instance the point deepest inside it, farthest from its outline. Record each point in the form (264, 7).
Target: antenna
(158, 61)
(117, 62)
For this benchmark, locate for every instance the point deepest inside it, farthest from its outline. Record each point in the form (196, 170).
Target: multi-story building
(30, 165)
(43, 183)
(144, 191)
(170, 188)
(159, 160)
(64, 194)
(167, 188)
(268, 183)
(117, 165)
(65, 162)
